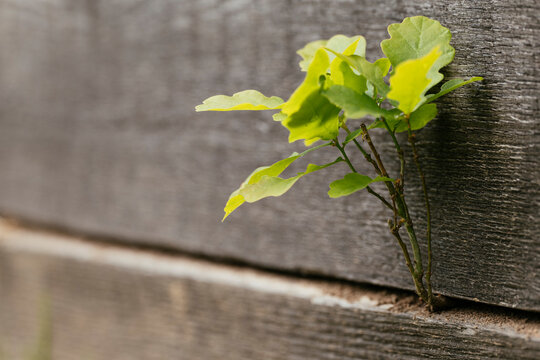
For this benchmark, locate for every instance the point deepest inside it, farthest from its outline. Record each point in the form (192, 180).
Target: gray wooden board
(109, 302)
(98, 135)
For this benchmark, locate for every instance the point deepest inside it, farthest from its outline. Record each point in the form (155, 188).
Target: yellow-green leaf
(275, 186)
(352, 183)
(316, 119)
(308, 53)
(310, 116)
(384, 66)
(410, 81)
(235, 200)
(415, 38)
(276, 117)
(244, 100)
(451, 85)
(318, 67)
(344, 75)
(339, 43)
(265, 181)
(266, 187)
(355, 45)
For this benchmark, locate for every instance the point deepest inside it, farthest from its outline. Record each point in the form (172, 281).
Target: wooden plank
(110, 302)
(98, 135)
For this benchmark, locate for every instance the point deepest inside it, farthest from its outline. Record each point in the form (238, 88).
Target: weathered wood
(108, 302)
(98, 135)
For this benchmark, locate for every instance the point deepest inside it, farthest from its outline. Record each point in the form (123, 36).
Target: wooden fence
(99, 138)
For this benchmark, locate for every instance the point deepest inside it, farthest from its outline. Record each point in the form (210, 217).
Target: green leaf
(418, 119)
(244, 100)
(265, 181)
(410, 81)
(342, 74)
(451, 85)
(316, 119)
(415, 38)
(352, 183)
(384, 66)
(338, 43)
(373, 72)
(354, 104)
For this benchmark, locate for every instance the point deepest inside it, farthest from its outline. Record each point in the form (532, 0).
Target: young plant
(341, 85)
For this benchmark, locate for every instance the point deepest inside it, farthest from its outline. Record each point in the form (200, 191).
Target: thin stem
(351, 166)
(373, 150)
(401, 182)
(368, 157)
(378, 165)
(399, 152)
(377, 195)
(394, 229)
(428, 210)
(395, 210)
(399, 185)
(399, 207)
(345, 157)
(403, 211)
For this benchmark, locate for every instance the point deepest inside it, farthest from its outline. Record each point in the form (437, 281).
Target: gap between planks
(18, 239)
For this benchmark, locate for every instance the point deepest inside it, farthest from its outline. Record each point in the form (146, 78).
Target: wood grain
(109, 302)
(98, 135)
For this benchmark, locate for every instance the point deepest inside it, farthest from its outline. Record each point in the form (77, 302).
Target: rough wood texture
(98, 135)
(107, 302)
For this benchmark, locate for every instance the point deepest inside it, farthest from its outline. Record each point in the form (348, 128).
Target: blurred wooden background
(98, 136)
